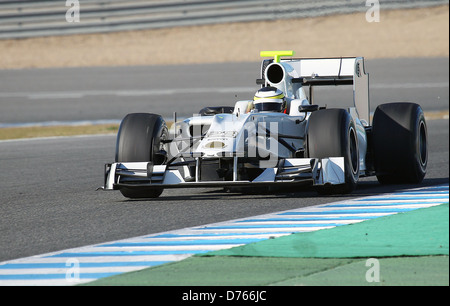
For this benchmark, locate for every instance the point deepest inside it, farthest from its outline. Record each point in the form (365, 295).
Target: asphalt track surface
(48, 187)
(43, 95)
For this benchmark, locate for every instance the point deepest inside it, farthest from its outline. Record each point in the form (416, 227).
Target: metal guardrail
(21, 19)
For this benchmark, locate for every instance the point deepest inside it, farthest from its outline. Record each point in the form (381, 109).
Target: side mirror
(307, 108)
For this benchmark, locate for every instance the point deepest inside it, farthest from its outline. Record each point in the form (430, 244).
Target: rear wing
(289, 74)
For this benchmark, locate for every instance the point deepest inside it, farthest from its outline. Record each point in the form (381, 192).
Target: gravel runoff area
(422, 32)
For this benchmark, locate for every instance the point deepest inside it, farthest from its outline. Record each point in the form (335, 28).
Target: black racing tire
(332, 133)
(400, 146)
(139, 140)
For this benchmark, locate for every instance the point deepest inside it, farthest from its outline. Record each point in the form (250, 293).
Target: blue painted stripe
(383, 204)
(422, 192)
(59, 265)
(125, 253)
(55, 276)
(273, 226)
(181, 243)
(401, 198)
(308, 219)
(347, 211)
(213, 234)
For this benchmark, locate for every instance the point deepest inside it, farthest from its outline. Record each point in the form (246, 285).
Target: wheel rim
(353, 151)
(159, 147)
(422, 143)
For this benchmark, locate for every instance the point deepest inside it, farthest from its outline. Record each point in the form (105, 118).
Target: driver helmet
(269, 99)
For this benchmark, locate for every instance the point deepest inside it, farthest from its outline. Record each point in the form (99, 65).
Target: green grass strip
(281, 261)
(271, 271)
(416, 233)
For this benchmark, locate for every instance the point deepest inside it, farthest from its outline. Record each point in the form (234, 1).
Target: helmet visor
(269, 106)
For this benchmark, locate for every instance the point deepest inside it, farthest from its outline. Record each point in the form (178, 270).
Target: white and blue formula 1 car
(282, 137)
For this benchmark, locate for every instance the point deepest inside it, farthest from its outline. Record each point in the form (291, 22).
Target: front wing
(287, 172)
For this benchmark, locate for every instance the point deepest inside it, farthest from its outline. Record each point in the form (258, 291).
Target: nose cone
(220, 137)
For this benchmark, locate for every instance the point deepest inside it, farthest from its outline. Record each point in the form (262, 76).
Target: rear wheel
(400, 143)
(139, 140)
(332, 133)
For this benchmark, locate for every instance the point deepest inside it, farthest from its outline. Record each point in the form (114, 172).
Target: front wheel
(332, 133)
(139, 140)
